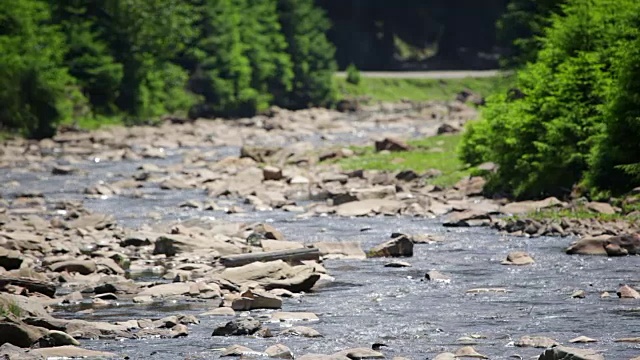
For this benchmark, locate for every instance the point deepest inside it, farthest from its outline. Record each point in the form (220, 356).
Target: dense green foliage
(137, 60)
(353, 75)
(577, 115)
(520, 28)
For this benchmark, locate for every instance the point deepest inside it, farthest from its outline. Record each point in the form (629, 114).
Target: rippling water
(369, 303)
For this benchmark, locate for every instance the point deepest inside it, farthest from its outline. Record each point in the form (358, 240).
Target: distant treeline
(136, 60)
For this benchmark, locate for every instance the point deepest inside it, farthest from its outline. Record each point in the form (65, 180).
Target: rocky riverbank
(56, 253)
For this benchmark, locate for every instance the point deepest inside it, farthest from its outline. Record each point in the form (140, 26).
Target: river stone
(279, 245)
(600, 207)
(279, 351)
(518, 258)
(57, 338)
(579, 294)
(486, 290)
(293, 316)
(12, 352)
(627, 292)
(582, 340)
(242, 326)
(628, 340)
(71, 352)
(14, 331)
(221, 311)
(468, 351)
(536, 342)
(588, 246)
(179, 330)
(400, 246)
(622, 245)
(523, 207)
(366, 207)
(83, 267)
(250, 300)
(434, 275)
(272, 173)
(303, 331)
(165, 290)
(340, 250)
(445, 356)
(467, 218)
(237, 350)
(391, 144)
(397, 264)
(568, 353)
(360, 353)
(10, 259)
(274, 275)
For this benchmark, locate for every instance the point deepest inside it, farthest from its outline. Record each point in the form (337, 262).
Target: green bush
(353, 75)
(542, 141)
(36, 91)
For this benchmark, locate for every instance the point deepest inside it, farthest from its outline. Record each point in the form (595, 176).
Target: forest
(572, 117)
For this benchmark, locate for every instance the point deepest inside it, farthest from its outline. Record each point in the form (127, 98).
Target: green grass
(437, 152)
(396, 89)
(95, 122)
(577, 213)
(10, 308)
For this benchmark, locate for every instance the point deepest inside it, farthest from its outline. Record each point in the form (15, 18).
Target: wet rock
(272, 173)
(62, 170)
(166, 290)
(15, 332)
(600, 207)
(238, 350)
(400, 246)
(274, 275)
(468, 351)
(340, 250)
(437, 276)
(445, 356)
(582, 340)
(588, 246)
(171, 245)
(578, 294)
(57, 338)
(629, 340)
(397, 264)
(10, 259)
(391, 144)
(250, 300)
(523, 207)
(179, 330)
(622, 245)
(369, 206)
(279, 351)
(83, 267)
(241, 326)
(486, 290)
(536, 342)
(71, 352)
(566, 353)
(468, 218)
(627, 292)
(293, 316)
(359, 353)
(518, 258)
(221, 311)
(303, 331)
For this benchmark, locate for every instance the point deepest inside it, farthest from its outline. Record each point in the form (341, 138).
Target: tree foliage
(544, 141)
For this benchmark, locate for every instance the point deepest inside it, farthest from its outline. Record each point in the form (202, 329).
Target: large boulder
(15, 332)
(620, 245)
(340, 250)
(569, 353)
(400, 246)
(273, 275)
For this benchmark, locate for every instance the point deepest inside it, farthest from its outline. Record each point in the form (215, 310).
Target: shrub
(353, 75)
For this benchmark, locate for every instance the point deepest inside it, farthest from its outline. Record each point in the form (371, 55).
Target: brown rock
(391, 144)
(359, 353)
(370, 206)
(303, 331)
(340, 250)
(518, 258)
(467, 218)
(250, 300)
(400, 246)
(84, 267)
(564, 353)
(279, 351)
(272, 173)
(241, 326)
(14, 331)
(71, 352)
(627, 292)
(601, 207)
(468, 351)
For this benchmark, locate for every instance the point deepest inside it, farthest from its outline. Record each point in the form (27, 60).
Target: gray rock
(10, 259)
(15, 332)
(303, 331)
(568, 353)
(279, 351)
(242, 326)
(84, 267)
(71, 352)
(434, 275)
(535, 341)
(400, 246)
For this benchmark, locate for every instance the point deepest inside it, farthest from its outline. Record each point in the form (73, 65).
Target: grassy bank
(396, 89)
(438, 152)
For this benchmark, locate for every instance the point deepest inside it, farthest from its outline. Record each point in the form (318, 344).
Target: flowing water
(370, 303)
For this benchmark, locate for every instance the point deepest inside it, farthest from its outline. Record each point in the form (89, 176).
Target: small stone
(635, 340)
(142, 300)
(236, 350)
(303, 331)
(221, 311)
(244, 326)
(536, 342)
(279, 351)
(468, 351)
(445, 356)
(437, 276)
(294, 316)
(582, 340)
(578, 294)
(605, 295)
(179, 330)
(272, 173)
(627, 292)
(397, 264)
(518, 258)
(359, 353)
(264, 333)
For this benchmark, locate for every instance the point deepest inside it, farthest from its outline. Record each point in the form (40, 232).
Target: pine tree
(266, 49)
(223, 75)
(304, 27)
(35, 88)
